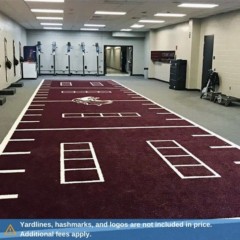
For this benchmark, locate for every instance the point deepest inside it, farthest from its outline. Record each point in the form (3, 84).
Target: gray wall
(10, 31)
(76, 38)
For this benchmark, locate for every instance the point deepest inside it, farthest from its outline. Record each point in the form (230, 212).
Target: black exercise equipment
(83, 57)
(97, 51)
(16, 62)
(54, 47)
(21, 58)
(69, 47)
(8, 64)
(39, 52)
(209, 90)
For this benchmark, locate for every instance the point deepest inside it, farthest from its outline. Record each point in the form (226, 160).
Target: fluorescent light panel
(47, 10)
(169, 15)
(198, 5)
(94, 25)
(126, 30)
(109, 13)
(89, 29)
(49, 18)
(51, 24)
(150, 21)
(52, 1)
(52, 28)
(137, 26)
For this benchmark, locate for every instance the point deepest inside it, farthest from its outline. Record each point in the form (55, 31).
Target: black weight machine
(54, 47)
(69, 47)
(83, 57)
(39, 52)
(97, 51)
(8, 63)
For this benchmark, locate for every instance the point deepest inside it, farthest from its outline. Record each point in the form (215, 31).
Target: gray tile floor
(219, 119)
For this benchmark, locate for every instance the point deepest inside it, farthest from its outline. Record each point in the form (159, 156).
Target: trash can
(146, 73)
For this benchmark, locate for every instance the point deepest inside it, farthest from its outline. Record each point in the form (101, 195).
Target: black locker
(178, 74)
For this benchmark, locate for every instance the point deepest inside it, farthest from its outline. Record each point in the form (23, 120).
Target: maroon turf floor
(129, 158)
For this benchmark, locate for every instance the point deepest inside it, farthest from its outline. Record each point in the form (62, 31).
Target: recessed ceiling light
(198, 5)
(137, 26)
(151, 21)
(52, 28)
(126, 30)
(47, 10)
(57, 1)
(89, 29)
(51, 24)
(94, 25)
(169, 15)
(50, 18)
(109, 13)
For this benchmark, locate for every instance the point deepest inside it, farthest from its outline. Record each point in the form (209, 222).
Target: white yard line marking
(15, 153)
(36, 109)
(101, 128)
(12, 171)
(202, 135)
(237, 162)
(173, 119)
(22, 140)
(37, 105)
(221, 147)
(29, 121)
(8, 196)
(32, 115)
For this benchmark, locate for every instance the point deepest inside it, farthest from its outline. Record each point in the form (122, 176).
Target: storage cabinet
(162, 56)
(178, 70)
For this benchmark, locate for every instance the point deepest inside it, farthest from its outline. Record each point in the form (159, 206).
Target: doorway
(207, 58)
(118, 60)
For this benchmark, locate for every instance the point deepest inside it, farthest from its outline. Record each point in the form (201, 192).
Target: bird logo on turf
(89, 100)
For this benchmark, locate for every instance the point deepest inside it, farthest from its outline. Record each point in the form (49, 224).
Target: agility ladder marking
(100, 115)
(158, 145)
(78, 147)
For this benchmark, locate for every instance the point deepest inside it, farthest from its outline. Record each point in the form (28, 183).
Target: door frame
(105, 56)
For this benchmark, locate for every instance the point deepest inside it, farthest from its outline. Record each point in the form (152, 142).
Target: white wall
(225, 28)
(173, 38)
(89, 38)
(188, 40)
(11, 31)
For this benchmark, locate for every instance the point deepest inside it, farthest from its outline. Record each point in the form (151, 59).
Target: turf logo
(92, 101)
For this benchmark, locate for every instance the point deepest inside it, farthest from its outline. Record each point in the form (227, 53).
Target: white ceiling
(79, 12)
